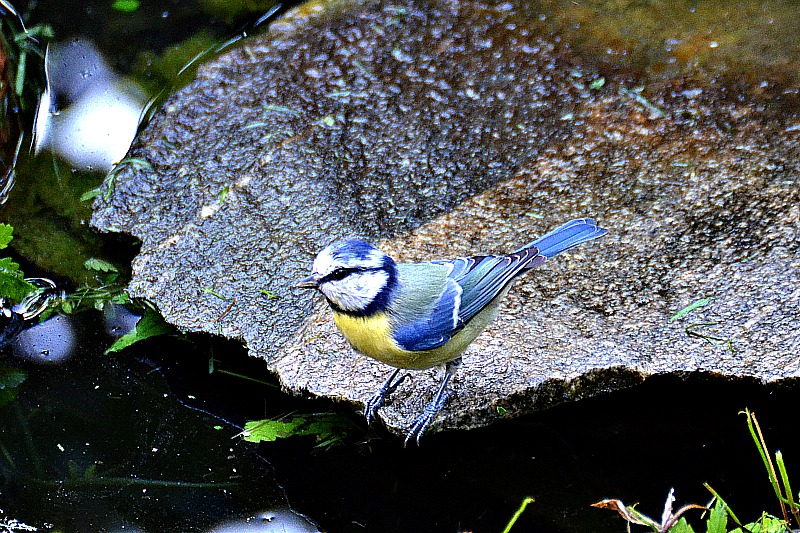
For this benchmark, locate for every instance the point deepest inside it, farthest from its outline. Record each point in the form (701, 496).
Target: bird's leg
(423, 421)
(386, 389)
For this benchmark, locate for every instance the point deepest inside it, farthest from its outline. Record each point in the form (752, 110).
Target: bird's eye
(339, 273)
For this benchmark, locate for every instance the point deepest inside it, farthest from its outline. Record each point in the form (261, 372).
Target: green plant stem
(519, 512)
(758, 438)
(727, 508)
(247, 378)
(7, 456)
(788, 488)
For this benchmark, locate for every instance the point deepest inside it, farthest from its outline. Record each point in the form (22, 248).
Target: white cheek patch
(357, 291)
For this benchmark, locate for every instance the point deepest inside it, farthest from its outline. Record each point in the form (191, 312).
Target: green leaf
(271, 430)
(91, 194)
(100, 265)
(682, 526)
(126, 6)
(765, 524)
(702, 302)
(6, 234)
(10, 380)
(150, 325)
(771, 524)
(13, 286)
(212, 292)
(223, 194)
(718, 519)
(121, 298)
(327, 428)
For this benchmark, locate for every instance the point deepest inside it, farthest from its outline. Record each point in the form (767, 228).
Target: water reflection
(281, 519)
(88, 114)
(48, 342)
(102, 443)
(118, 319)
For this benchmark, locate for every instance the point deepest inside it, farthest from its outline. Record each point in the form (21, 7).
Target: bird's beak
(310, 282)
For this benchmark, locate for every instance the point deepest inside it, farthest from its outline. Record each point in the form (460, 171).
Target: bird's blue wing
(427, 321)
(441, 297)
(483, 278)
(436, 324)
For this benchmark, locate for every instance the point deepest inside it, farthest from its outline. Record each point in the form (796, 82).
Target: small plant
(41, 299)
(106, 189)
(328, 428)
(150, 325)
(782, 487)
(669, 519)
(18, 43)
(13, 286)
(698, 329)
(721, 519)
(518, 513)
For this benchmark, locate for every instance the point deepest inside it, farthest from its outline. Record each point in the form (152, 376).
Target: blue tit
(419, 315)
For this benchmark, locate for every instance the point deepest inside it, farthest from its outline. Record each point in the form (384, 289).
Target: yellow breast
(372, 337)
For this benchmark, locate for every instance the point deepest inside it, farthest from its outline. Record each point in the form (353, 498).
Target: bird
(414, 316)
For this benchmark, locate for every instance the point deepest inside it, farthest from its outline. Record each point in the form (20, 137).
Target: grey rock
(439, 129)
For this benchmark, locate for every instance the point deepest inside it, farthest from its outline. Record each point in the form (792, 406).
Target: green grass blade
(758, 438)
(793, 507)
(702, 302)
(519, 512)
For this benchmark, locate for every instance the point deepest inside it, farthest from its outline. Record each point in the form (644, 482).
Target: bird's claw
(374, 403)
(424, 420)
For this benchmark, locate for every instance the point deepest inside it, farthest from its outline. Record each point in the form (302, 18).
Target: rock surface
(440, 129)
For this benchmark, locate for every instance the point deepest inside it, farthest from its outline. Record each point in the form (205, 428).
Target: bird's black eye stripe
(343, 272)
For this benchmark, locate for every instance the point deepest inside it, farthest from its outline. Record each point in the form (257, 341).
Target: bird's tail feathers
(567, 236)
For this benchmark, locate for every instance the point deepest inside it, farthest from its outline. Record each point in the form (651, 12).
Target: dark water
(101, 442)
(146, 439)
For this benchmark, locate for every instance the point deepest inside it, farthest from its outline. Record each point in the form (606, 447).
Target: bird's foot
(424, 420)
(389, 386)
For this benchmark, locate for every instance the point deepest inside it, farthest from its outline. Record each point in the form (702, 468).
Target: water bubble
(88, 115)
(281, 520)
(48, 342)
(119, 320)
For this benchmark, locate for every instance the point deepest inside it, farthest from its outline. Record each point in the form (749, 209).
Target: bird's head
(354, 276)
